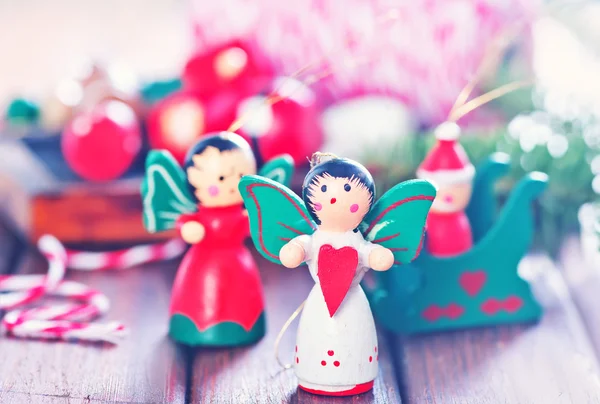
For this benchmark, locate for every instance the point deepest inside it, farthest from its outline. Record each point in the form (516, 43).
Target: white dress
(336, 353)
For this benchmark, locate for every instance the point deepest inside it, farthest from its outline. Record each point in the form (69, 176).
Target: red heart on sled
(337, 268)
(472, 282)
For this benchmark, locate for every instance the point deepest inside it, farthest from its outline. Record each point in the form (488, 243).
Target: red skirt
(215, 285)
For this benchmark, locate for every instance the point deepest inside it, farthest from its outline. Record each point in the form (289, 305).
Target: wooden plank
(550, 362)
(144, 368)
(583, 278)
(252, 375)
(18, 398)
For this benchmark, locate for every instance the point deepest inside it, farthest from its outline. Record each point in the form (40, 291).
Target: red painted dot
(375, 349)
(370, 359)
(297, 360)
(336, 363)
(377, 357)
(297, 348)
(323, 363)
(330, 353)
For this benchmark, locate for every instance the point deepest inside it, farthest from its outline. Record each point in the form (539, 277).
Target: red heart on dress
(472, 282)
(336, 269)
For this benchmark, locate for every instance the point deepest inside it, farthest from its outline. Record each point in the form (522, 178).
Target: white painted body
(350, 334)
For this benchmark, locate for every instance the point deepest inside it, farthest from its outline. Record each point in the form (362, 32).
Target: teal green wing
(279, 169)
(276, 215)
(397, 220)
(165, 194)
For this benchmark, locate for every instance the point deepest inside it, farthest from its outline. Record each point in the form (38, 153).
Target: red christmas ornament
(233, 65)
(290, 126)
(101, 144)
(176, 122)
(214, 83)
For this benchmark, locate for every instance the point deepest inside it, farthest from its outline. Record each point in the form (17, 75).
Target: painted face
(215, 175)
(339, 203)
(452, 198)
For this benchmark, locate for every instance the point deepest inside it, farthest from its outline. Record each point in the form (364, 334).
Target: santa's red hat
(446, 163)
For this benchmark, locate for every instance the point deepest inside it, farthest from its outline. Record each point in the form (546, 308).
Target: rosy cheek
(448, 199)
(213, 190)
(317, 206)
(353, 207)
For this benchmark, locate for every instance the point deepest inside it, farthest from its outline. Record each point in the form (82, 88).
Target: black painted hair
(222, 141)
(337, 168)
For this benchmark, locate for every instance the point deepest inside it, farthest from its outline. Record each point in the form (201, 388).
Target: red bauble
(233, 65)
(101, 144)
(176, 122)
(289, 126)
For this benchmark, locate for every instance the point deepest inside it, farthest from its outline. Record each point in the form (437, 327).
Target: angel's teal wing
(280, 169)
(165, 194)
(397, 220)
(276, 215)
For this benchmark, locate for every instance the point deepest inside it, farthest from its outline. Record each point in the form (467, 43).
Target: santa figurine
(448, 167)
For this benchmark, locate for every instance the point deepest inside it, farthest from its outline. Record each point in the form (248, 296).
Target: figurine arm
(190, 228)
(296, 251)
(376, 257)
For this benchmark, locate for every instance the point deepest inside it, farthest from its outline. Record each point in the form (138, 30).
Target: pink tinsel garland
(424, 56)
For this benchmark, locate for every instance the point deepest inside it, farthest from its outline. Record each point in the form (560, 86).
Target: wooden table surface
(555, 361)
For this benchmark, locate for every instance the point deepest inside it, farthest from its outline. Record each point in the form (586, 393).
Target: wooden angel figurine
(217, 297)
(340, 231)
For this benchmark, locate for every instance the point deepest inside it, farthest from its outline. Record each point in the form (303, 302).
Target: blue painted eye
(324, 188)
(347, 187)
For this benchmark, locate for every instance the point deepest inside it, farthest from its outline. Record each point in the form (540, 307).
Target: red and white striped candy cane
(126, 258)
(66, 321)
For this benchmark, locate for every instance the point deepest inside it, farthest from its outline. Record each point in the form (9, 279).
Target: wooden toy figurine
(480, 287)
(448, 167)
(217, 297)
(340, 231)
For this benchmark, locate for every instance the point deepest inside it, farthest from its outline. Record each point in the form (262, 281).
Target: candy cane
(120, 259)
(65, 322)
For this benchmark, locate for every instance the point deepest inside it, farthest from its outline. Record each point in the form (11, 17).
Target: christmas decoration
(476, 288)
(125, 258)
(93, 84)
(229, 87)
(176, 122)
(231, 66)
(291, 125)
(64, 322)
(419, 51)
(101, 144)
(99, 84)
(448, 167)
(203, 203)
(340, 231)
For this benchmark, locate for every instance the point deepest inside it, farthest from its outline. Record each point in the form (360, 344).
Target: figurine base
(338, 391)
(226, 334)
